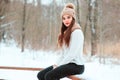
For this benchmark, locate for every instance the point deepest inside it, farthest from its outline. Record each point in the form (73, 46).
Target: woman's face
(67, 19)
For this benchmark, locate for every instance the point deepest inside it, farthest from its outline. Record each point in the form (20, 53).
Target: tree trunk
(78, 11)
(3, 10)
(93, 25)
(23, 27)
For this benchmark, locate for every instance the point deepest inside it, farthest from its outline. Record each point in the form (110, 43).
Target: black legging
(60, 72)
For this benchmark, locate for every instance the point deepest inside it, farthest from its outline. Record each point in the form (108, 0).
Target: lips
(67, 23)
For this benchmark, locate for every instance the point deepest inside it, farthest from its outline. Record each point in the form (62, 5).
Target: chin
(67, 25)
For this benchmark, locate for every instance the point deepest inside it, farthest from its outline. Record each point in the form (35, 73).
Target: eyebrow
(66, 16)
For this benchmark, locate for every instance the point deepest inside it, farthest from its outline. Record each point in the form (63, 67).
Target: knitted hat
(69, 9)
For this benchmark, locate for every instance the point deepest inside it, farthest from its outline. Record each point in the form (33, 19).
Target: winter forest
(35, 24)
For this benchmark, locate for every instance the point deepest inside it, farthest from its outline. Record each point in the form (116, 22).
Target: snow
(10, 55)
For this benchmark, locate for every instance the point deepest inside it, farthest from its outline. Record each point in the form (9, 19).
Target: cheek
(63, 21)
(71, 19)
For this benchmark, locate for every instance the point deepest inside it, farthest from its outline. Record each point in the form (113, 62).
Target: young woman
(70, 41)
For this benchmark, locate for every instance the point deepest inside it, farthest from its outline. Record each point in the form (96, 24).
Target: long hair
(65, 34)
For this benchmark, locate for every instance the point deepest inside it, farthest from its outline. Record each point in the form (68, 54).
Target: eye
(68, 17)
(63, 18)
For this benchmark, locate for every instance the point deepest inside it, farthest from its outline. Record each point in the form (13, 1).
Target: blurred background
(35, 24)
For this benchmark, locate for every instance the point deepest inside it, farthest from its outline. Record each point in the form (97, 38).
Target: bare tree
(23, 26)
(78, 10)
(93, 12)
(3, 9)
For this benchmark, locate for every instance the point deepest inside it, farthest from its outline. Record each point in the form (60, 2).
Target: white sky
(42, 1)
(12, 56)
(46, 2)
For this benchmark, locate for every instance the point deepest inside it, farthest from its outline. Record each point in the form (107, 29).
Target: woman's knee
(40, 76)
(82, 69)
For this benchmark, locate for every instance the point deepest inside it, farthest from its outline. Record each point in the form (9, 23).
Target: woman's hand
(54, 66)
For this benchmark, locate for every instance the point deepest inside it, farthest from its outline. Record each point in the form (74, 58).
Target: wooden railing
(20, 68)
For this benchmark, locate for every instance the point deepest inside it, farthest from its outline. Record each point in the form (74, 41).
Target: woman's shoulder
(77, 32)
(75, 27)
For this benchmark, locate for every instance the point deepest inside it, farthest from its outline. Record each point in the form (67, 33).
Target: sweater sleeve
(76, 43)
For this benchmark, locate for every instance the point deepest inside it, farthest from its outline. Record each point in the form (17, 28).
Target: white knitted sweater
(73, 53)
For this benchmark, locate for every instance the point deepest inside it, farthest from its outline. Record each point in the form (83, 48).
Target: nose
(66, 20)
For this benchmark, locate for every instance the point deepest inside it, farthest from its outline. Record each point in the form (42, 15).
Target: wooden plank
(20, 68)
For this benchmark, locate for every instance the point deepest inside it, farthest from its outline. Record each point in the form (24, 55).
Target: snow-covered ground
(12, 56)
